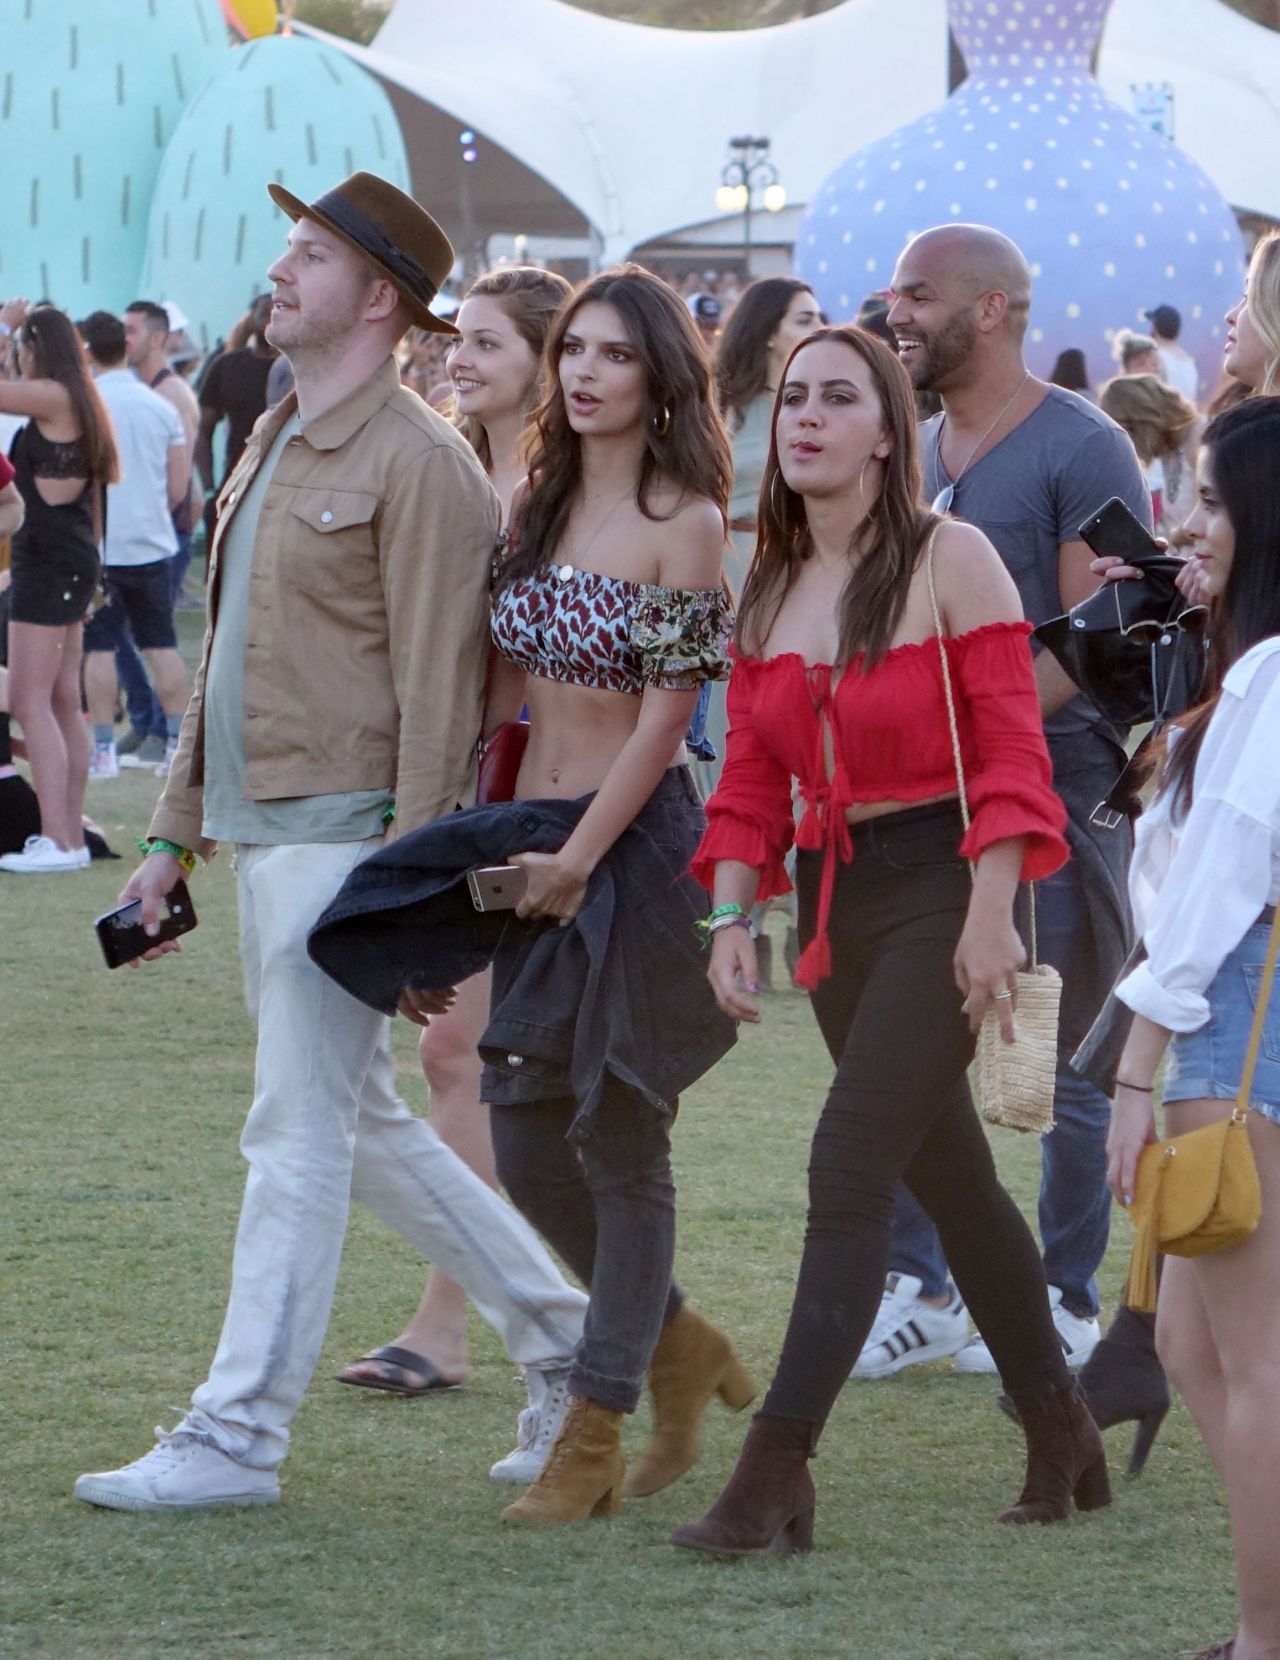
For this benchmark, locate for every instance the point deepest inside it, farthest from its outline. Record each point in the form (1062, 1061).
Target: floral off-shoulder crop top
(585, 629)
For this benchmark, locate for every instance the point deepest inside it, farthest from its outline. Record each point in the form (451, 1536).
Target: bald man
(1027, 463)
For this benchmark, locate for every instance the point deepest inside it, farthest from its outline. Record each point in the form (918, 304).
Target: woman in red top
(838, 684)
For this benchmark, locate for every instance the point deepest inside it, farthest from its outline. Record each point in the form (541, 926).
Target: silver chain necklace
(947, 494)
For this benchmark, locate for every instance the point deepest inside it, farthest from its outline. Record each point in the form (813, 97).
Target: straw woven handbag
(1015, 1080)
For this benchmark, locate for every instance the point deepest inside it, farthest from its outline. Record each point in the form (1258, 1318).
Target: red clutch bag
(500, 763)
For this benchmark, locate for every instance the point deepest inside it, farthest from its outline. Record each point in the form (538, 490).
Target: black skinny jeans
(608, 1207)
(900, 1108)
(608, 1203)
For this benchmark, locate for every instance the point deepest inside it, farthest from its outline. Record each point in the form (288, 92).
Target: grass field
(123, 1096)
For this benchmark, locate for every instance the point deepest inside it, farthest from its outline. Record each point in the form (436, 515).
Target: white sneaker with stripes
(1078, 1334)
(908, 1331)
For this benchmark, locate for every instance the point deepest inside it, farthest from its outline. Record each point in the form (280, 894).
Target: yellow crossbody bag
(1199, 1192)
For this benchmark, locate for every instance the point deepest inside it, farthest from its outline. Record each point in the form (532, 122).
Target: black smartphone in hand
(1117, 533)
(122, 936)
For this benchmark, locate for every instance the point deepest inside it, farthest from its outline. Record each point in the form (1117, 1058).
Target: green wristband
(158, 844)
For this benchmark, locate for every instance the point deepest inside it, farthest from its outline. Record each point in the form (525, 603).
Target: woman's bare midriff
(575, 735)
(861, 811)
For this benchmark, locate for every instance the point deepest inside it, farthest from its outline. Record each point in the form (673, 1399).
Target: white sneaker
(104, 763)
(181, 1472)
(148, 754)
(1079, 1337)
(908, 1332)
(170, 750)
(41, 856)
(539, 1424)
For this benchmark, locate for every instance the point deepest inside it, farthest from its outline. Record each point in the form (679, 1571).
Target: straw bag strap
(1260, 1015)
(949, 691)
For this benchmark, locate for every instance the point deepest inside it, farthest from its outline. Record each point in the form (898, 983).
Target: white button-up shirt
(1197, 884)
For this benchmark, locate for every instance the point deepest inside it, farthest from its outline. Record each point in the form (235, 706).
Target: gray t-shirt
(1033, 491)
(229, 816)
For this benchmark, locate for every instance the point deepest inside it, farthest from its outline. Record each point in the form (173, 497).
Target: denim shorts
(139, 598)
(1208, 1064)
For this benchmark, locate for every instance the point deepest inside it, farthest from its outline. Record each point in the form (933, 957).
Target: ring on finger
(1002, 996)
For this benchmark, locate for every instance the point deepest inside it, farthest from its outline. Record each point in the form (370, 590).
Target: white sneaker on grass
(170, 750)
(104, 763)
(148, 754)
(1078, 1336)
(181, 1472)
(909, 1331)
(41, 856)
(539, 1424)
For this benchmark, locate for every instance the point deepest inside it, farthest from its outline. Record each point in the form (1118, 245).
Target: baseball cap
(1166, 318)
(178, 319)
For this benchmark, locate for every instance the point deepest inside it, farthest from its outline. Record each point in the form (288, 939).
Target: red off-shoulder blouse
(891, 741)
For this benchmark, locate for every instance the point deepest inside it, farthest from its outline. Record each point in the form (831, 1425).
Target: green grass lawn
(123, 1097)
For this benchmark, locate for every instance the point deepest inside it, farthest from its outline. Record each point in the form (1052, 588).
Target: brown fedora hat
(389, 228)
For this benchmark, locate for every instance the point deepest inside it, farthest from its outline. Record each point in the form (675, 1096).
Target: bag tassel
(1140, 1287)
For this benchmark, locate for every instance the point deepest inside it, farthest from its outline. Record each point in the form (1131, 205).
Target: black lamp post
(748, 170)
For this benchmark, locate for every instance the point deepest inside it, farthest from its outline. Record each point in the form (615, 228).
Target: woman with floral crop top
(838, 685)
(609, 616)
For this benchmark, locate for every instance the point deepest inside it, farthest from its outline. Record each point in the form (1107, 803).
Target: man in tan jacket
(340, 692)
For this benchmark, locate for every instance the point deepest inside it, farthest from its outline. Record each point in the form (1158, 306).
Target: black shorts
(54, 593)
(139, 597)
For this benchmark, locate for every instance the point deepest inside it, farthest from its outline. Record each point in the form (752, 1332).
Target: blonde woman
(1164, 428)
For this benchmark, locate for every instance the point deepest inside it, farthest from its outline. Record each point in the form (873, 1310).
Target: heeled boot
(767, 1506)
(584, 1471)
(692, 1362)
(1123, 1380)
(1066, 1460)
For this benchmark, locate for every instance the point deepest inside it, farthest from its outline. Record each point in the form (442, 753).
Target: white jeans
(326, 1123)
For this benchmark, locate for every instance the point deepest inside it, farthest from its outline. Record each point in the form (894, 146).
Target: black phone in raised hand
(122, 936)
(1115, 532)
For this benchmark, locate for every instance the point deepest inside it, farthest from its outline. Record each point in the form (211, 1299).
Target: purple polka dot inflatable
(1113, 219)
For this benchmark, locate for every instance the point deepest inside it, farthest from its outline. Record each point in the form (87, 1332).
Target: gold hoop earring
(662, 423)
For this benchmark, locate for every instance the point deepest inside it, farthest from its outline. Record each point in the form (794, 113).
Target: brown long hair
(742, 352)
(52, 339)
(873, 597)
(685, 440)
(530, 297)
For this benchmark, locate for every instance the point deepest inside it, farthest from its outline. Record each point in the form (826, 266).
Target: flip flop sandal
(399, 1362)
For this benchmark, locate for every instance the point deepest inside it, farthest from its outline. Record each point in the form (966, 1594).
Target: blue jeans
(145, 713)
(1075, 1207)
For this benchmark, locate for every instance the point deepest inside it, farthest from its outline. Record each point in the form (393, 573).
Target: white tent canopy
(631, 124)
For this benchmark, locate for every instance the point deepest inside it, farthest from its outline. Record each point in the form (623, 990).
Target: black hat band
(368, 234)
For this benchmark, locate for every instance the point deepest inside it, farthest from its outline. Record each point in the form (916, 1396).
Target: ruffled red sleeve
(1007, 767)
(749, 818)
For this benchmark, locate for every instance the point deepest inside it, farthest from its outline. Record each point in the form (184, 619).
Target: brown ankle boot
(583, 1473)
(1065, 1458)
(693, 1362)
(767, 1507)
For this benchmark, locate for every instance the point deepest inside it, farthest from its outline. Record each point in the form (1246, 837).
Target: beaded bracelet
(185, 857)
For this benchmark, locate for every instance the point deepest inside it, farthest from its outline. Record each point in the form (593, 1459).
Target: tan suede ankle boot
(693, 1362)
(583, 1473)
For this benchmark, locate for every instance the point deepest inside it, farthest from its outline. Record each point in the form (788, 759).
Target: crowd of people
(735, 601)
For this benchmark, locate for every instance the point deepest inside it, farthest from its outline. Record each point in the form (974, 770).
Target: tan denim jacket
(367, 640)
